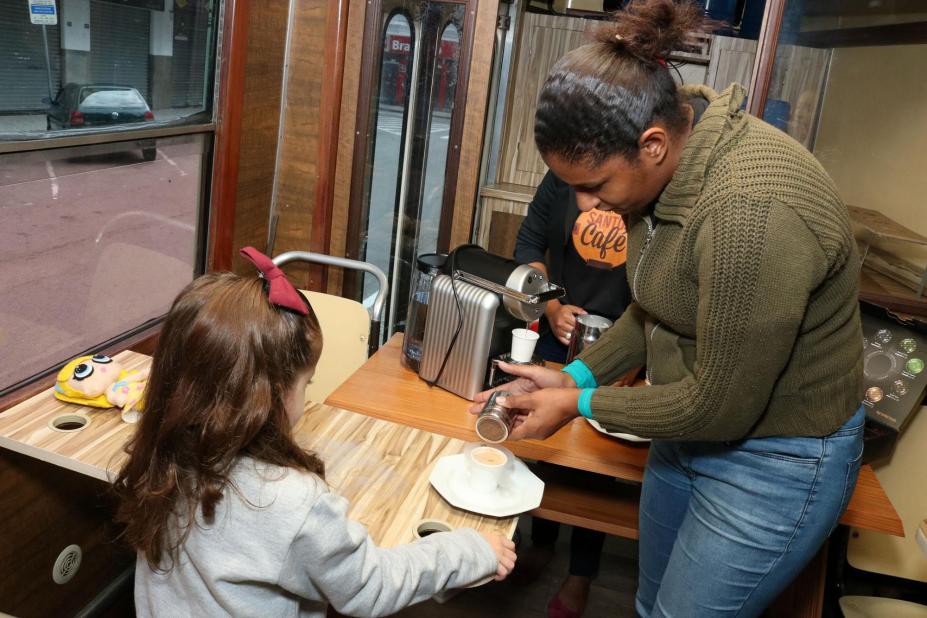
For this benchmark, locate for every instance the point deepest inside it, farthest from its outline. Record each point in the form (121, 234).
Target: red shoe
(556, 609)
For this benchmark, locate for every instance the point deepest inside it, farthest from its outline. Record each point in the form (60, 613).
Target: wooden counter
(399, 395)
(381, 467)
(384, 389)
(94, 451)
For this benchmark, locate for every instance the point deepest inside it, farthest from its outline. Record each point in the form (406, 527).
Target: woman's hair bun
(651, 29)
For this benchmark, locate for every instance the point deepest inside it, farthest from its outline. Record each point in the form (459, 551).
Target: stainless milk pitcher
(588, 329)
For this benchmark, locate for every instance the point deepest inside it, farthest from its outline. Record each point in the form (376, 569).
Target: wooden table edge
(886, 517)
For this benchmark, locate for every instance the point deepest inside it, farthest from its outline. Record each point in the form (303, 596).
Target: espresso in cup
(487, 465)
(488, 456)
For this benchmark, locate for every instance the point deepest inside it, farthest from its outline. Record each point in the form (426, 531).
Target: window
(157, 51)
(413, 131)
(105, 149)
(848, 83)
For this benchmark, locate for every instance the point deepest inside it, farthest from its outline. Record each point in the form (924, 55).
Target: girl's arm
(334, 559)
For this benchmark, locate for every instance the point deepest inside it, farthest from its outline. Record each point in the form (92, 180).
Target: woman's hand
(505, 553)
(540, 414)
(562, 319)
(531, 378)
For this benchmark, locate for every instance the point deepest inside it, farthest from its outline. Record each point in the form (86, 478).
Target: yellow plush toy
(101, 382)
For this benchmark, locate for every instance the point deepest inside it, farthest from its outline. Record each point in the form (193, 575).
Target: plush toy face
(92, 375)
(101, 382)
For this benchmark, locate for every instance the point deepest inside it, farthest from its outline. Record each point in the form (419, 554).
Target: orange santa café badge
(601, 239)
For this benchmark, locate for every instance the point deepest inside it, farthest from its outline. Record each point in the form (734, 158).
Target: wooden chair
(349, 331)
(905, 558)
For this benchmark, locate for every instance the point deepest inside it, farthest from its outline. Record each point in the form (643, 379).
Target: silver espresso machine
(473, 307)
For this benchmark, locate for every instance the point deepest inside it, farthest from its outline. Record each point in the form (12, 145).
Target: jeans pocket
(785, 449)
(849, 486)
(811, 461)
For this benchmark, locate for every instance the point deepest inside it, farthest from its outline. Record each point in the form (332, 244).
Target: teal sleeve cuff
(584, 405)
(581, 374)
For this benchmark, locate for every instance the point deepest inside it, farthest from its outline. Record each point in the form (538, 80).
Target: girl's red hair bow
(280, 291)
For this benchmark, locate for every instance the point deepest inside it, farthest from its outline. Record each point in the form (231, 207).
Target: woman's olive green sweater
(745, 282)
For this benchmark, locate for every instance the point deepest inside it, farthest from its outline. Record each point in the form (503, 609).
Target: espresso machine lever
(553, 291)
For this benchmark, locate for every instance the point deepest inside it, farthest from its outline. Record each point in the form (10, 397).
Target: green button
(914, 365)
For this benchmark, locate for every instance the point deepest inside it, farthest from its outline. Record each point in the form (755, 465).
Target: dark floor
(612, 593)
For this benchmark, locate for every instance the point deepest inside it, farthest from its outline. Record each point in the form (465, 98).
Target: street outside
(381, 227)
(91, 247)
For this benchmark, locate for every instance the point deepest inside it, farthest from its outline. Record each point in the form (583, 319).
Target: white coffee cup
(523, 342)
(487, 466)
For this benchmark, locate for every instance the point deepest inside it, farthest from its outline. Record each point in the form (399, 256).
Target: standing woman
(744, 274)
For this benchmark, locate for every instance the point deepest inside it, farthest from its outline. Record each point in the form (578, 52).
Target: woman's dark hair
(225, 362)
(599, 98)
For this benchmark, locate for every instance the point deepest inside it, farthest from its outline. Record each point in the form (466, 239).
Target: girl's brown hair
(225, 361)
(599, 98)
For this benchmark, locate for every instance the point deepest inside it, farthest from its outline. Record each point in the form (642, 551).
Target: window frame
(222, 125)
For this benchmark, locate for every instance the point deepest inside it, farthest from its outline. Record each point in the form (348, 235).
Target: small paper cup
(523, 342)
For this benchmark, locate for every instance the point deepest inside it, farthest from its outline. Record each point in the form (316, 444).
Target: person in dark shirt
(585, 253)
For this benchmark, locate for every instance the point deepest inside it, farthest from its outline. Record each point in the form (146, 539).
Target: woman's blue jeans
(725, 527)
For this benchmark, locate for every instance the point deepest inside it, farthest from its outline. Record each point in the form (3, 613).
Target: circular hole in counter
(68, 423)
(428, 527)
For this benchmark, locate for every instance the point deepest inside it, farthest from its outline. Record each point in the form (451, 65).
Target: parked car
(78, 106)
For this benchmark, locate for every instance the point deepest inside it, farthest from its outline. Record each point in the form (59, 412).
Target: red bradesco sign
(402, 44)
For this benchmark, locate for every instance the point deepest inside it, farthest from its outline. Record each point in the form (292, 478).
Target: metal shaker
(494, 422)
(588, 329)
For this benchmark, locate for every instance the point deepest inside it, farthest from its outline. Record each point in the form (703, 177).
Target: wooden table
(384, 389)
(381, 467)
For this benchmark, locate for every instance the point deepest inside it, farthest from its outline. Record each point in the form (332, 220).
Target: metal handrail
(329, 260)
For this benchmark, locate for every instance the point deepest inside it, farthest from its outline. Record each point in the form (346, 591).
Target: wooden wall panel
(543, 40)
(471, 144)
(224, 183)
(267, 26)
(503, 230)
(492, 207)
(345, 158)
(731, 61)
(44, 509)
(297, 168)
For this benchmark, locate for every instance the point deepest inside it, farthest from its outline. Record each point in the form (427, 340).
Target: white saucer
(519, 492)
(621, 436)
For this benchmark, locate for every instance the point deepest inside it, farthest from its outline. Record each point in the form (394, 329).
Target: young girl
(227, 513)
